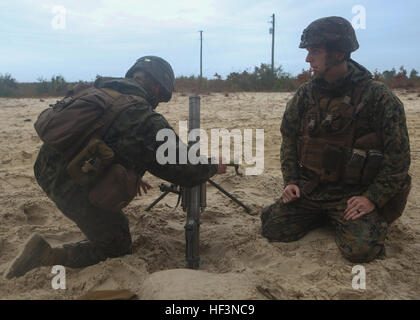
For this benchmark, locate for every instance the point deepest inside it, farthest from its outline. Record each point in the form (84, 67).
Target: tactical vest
(85, 112)
(328, 146)
(75, 126)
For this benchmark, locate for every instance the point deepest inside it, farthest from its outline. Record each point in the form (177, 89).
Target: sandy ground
(236, 261)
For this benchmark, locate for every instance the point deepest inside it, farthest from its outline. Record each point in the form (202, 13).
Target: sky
(82, 39)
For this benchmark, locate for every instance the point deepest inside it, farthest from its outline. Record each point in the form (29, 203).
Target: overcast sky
(106, 36)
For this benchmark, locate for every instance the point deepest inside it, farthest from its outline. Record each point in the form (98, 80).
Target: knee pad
(362, 254)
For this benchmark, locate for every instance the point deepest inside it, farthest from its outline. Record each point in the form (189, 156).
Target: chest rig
(328, 146)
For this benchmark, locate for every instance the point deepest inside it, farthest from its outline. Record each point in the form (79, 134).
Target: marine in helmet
(332, 39)
(345, 150)
(132, 138)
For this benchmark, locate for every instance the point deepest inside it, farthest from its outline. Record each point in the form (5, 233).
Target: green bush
(57, 86)
(261, 78)
(8, 85)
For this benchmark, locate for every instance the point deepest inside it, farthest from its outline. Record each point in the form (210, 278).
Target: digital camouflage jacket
(381, 112)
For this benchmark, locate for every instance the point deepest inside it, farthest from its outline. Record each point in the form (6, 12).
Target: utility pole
(201, 58)
(272, 29)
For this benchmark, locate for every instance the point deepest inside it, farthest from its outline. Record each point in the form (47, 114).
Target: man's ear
(339, 55)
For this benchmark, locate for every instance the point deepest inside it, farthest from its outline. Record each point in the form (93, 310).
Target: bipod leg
(163, 195)
(229, 195)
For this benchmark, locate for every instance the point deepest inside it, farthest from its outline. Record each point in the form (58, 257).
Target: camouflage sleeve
(290, 130)
(186, 175)
(133, 139)
(393, 172)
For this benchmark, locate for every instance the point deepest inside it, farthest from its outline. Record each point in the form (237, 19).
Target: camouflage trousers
(360, 240)
(108, 234)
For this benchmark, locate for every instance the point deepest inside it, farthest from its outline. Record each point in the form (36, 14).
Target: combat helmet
(159, 69)
(334, 32)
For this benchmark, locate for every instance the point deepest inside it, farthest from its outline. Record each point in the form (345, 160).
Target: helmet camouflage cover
(334, 32)
(159, 69)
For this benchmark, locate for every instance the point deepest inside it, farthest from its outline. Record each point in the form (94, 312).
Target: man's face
(140, 76)
(153, 87)
(317, 57)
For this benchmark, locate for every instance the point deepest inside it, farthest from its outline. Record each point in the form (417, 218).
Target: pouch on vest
(115, 189)
(311, 154)
(373, 162)
(69, 125)
(332, 122)
(394, 208)
(369, 141)
(311, 123)
(90, 163)
(324, 159)
(332, 163)
(354, 166)
(66, 126)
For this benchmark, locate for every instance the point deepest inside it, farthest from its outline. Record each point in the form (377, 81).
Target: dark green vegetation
(261, 78)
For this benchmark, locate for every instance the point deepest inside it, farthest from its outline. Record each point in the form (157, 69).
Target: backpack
(85, 112)
(74, 127)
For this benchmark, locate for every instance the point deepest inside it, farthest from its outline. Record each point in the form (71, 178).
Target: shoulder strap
(357, 96)
(120, 103)
(312, 96)
(115, 103)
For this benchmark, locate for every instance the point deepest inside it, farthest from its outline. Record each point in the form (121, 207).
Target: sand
(236, 261)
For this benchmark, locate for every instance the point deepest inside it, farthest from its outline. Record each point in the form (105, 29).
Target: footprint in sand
(36, 214)
(18, 180)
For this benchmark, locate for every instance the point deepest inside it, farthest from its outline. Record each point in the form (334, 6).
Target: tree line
(260, 78)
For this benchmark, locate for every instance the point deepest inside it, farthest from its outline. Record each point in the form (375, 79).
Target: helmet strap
(330, 62)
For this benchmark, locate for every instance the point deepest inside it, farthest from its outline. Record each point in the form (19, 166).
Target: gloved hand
(143, 185)
(222, 166)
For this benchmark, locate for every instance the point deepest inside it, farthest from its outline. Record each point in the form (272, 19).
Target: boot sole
(29, 257)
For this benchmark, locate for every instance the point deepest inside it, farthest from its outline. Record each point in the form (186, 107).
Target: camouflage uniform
(362, 239)
(132, 137)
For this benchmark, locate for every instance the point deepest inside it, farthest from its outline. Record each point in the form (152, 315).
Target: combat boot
(35, 253)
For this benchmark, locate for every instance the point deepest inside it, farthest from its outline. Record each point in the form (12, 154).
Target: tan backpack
(75, 126)
(86, 111)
